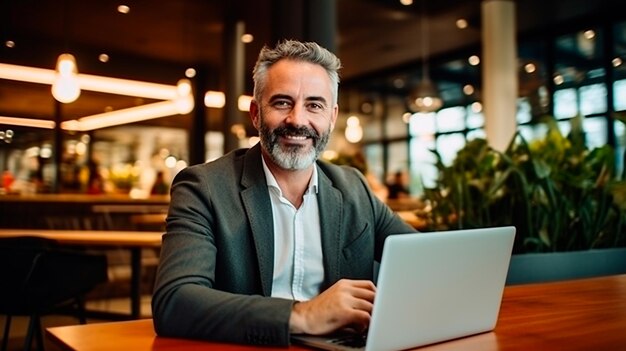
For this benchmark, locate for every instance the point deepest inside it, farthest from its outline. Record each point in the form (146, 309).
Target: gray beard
(294, 157)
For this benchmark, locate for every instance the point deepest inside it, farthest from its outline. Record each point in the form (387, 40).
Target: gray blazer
(216, 264)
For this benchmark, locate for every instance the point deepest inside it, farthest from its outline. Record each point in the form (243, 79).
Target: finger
(364, 294)
(364, 284)
(363, 305)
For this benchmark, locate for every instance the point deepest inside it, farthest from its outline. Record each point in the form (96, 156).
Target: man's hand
(346, 304)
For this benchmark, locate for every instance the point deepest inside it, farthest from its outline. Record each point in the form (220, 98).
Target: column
(306, 20)
(57, 145)
(197, 148)
(234, 61)
(499, 71)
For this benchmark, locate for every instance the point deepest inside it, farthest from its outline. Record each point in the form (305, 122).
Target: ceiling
(156, 41)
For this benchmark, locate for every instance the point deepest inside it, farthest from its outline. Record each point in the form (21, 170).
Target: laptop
(432, 287)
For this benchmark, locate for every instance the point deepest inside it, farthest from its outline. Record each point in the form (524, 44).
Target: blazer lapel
(330, 202)
(258, 206)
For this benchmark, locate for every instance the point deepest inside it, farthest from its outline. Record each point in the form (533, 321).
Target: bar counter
(77, 211)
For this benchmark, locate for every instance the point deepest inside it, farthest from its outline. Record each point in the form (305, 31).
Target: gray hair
(300, 51)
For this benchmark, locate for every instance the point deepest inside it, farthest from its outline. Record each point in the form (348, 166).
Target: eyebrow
(318, 99)
(280, 97)
(288, 97)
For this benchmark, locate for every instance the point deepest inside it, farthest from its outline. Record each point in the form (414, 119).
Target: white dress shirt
(298, 266)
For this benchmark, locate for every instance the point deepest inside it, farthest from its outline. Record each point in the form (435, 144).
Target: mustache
(289, 130)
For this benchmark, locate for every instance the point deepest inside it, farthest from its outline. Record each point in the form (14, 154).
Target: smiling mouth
(295, 137)
(297, 141)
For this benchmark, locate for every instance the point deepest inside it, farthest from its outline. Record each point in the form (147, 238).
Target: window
(374, 158)
(595, 131)
(576, 74)
(524, 111)
(619, 95)
(423, 170)
(565, 103)
(592, 99)
(448, 145)
(451, 119)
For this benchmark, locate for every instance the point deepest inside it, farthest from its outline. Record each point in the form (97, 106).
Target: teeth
(294, 137)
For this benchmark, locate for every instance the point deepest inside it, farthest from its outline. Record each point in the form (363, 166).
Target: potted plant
(560, 195)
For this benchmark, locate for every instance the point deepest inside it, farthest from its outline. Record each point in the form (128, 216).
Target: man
(269, 241)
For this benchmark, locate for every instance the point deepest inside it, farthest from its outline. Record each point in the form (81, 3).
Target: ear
(254, 113)
(333, 117)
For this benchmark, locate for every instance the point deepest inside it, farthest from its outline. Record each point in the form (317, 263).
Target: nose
(296, 116)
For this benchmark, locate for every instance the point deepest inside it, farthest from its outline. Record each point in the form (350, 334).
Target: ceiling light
(243, 103)
(616, 62)
(473, 60)
(179, 98)
(123, 9)
(461, 23)
(184, 100)
(183, 88)
(103, 58)
(65, 87)
(354, 131)
(92, 83)
(125, 116)
(190, 72)
(9, 43)
(27, 122)
(558, 79)
(589, 34)
(468, 89)
(26, 74)
(127, 87)
(215, 99)
(425, 97)
(247, 38)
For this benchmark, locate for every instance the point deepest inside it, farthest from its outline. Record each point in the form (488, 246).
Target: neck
(292, 183)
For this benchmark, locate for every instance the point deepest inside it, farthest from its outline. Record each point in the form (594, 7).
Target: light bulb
(184, 100)
(354, 131)
(65, 88)
(214, 99)
(425, 97)
(183, 87)
(243, 103)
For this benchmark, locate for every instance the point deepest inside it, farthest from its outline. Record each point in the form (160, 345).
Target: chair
(39, 277)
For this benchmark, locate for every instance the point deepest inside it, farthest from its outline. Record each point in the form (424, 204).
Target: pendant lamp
(66, 88)
(425, 96)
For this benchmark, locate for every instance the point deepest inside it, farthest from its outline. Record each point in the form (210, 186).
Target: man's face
(296, 114)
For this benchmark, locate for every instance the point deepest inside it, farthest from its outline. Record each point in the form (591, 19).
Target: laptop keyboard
(354, 340)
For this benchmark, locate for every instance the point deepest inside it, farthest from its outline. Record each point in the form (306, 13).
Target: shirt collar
(272, 183)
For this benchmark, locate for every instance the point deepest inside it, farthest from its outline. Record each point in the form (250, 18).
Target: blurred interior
(61, 172)
(569, 51)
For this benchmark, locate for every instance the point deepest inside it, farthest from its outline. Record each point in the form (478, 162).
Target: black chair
(40, 277)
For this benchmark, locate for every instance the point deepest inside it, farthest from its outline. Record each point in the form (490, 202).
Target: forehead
(291, 76)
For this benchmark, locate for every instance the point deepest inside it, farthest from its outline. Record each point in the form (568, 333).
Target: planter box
(542, 267)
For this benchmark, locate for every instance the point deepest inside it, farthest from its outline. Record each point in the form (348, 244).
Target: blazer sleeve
(188, 301)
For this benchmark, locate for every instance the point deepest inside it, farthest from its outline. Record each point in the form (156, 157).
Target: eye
(281, 104)
(315, 106)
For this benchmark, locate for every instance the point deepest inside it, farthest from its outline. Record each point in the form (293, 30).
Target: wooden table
(134, 241)
(586, 314)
